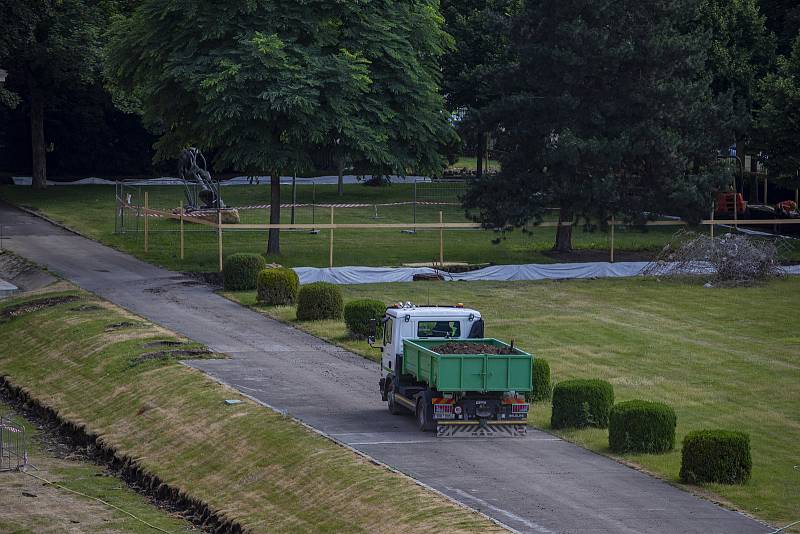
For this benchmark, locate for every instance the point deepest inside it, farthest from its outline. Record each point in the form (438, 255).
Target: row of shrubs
(279, 286)
(633, 426)
(649, 427)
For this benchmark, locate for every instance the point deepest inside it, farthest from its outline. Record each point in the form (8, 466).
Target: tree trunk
(274, 243)
(563, 232)
(38, 150)
(340, 165)
(479, 155)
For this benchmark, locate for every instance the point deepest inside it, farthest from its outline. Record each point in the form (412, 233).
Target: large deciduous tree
(778, 119)
(45, 45)
(477, 67)
(266, 83)
(742, 51)
(613, 114)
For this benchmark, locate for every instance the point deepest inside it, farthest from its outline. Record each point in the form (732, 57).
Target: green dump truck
(437, 365)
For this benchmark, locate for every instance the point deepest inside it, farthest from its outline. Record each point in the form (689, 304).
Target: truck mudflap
(481, 429)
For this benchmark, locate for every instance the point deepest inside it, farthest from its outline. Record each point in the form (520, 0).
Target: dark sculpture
(192, 169)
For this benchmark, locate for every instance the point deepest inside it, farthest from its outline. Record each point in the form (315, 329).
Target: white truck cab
(407, 321)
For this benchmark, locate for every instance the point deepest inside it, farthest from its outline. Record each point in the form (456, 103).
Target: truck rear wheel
(394, 409)
(423, 416)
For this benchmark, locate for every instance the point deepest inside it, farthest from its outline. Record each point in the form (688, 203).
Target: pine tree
(613, 114)
(266, 83)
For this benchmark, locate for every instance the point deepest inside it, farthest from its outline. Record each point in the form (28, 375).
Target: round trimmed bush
(716, 456)
(358, 313)
(240, 271)
(319, 300)
(542, 388)
(641, 426)
(579, 403)
(277, 287)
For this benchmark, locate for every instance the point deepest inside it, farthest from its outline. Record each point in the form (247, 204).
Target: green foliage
(46, 46)
(318, 301)
(581, 402)
(716, 456)
(582, 132)
(277, 287)
(783, 19)
(641, 426)
(266, 85)
(358, 313)
(476, 69)
(779, 117)
(742, 51)
(240, 271)
(542, 387)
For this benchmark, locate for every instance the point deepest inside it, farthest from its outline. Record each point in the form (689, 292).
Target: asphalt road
(534, 484)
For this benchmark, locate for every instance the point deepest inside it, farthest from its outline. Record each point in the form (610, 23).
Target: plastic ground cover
(555, 271)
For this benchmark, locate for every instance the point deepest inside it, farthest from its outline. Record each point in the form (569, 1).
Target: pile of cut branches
(731, 259)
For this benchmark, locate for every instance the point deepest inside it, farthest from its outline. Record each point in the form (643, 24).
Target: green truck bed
(468, 372)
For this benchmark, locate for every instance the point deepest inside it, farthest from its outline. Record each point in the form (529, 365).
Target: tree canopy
(476, 70)
(612, 113)
(45, 45)
(264, 84)
(741, 52)
(779, 117)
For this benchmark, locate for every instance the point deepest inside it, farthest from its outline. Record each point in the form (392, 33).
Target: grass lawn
(90, 210)
(247, 462)
(471, 162)
(727, 358)
(57, 510)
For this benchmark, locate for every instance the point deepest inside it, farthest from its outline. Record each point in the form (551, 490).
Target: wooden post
(612, 238)
(712, 220)
(766, 181)
(146, 224)
(330, 255)
(441, 241)
(181, 214)
(797, 197)
(219, 236)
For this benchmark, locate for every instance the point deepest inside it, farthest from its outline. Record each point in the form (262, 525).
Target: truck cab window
(438, 329)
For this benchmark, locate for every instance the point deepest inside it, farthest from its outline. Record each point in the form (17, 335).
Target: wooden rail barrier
(146, 212)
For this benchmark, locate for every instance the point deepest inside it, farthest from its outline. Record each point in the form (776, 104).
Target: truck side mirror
(372, 328)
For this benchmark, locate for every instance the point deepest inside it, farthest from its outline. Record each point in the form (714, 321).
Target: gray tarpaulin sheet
(554, 271)
(239, 180)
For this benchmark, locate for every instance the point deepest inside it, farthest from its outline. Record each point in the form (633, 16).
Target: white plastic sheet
(555, 271)
(238, 180)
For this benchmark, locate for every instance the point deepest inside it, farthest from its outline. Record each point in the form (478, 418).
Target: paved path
(534, 484)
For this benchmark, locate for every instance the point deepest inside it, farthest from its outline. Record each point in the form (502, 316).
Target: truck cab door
(388, 349)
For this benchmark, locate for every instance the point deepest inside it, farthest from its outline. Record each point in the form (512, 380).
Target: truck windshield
(439, 329)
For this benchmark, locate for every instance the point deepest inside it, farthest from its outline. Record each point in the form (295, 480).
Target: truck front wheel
(424, 421)
(394, 409)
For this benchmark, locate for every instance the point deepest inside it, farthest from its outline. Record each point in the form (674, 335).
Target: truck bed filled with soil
(454, 347)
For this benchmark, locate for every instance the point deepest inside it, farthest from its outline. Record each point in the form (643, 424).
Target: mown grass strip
(248, 463)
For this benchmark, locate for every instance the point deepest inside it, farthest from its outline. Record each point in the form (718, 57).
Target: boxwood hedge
(542, 387)
(277, 287)
(319, 300)
(239, 272)
(581, 402)
(641, 426)
(716, 456)
(358, 313)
